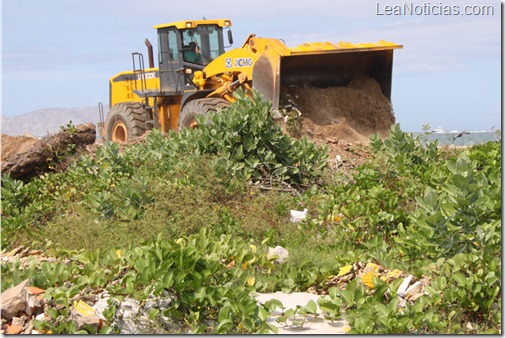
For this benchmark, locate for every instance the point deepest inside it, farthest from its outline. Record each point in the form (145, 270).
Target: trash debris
(414, 291)
(24, 303)
(337, 162)
(83, 309)
(367, 279)
(298, 216)
(83, 314)
(344, 270)
(408, 291)
(402, 289)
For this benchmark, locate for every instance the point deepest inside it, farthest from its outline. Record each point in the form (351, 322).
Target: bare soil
(16, 144)
(343, 118)
(351, 113)
(24, 157)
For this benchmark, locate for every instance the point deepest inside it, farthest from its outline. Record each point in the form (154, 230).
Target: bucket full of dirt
(352, 113)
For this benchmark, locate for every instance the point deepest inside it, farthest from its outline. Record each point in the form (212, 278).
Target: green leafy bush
(193, 197)
(249, 144)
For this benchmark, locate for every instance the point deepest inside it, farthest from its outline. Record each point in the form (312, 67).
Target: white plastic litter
(298, 216)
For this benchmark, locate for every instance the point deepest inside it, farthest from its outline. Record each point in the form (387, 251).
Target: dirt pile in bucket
(350, 113)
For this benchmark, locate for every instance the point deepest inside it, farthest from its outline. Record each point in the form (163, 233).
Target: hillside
(47, 121)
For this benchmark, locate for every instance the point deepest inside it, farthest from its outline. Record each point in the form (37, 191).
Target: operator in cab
(193, 53)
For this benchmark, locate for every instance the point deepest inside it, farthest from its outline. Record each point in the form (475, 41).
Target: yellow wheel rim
(119, 132)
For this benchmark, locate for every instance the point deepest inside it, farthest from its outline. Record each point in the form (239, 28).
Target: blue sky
(61, 53)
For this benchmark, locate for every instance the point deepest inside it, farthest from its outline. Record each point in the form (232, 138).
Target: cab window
(167, 45)
(209, 42)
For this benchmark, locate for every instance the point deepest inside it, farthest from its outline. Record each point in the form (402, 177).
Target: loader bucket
(323, 68)
(300, 71)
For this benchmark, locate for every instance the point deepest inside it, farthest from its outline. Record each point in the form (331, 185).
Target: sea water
(450, 138)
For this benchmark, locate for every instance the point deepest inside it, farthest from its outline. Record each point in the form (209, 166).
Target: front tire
(125, 122)
(199, 107)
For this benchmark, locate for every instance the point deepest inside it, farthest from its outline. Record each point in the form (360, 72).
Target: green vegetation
(193, 213)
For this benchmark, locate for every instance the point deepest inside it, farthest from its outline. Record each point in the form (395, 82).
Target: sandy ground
(313, 325)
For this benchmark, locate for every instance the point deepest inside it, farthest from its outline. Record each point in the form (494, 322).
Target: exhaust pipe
(150, 53)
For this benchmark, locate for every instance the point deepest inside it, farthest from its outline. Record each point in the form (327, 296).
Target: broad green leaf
(273, 328)
(262, 314)
(285, 316)
(272, 304)
(224, 313)
(105, 330)
(311, 307)
(330, 307)
(168, 279)
(53, 313)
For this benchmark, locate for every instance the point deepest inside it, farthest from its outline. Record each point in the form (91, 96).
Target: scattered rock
(94, 321)
(34, 302)
(280, 252)
(23, 303)
(127, 315)
(102, 304)
(160, 303)
(13, 329)
(28, 328)
(20, 305)
(19, 321)
(14, 300)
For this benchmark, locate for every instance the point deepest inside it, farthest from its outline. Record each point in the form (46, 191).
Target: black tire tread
(200, 107)
(134, 117)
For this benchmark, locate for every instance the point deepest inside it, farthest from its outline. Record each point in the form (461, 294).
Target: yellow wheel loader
(196, 76)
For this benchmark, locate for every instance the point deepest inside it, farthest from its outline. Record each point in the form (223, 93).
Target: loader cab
(178, 58)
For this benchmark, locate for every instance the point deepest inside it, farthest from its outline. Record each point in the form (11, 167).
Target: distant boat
(439, 130)
(454, 131)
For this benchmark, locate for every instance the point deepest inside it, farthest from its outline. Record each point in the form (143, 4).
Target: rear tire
(125, 122)
(199, 107)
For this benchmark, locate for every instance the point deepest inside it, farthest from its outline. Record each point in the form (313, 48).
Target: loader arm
(268, 65)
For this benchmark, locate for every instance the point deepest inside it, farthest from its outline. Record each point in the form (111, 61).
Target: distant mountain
(42, 122)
